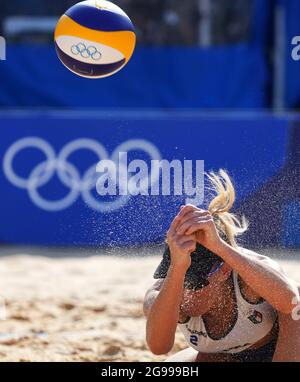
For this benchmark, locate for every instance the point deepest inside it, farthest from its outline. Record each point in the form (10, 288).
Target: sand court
(81, 308)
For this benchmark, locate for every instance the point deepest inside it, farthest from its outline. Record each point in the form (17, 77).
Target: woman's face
(197, 303)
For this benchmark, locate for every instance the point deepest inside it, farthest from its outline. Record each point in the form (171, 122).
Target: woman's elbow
(158, 348)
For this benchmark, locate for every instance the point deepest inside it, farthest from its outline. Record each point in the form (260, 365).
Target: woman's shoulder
(263, 258)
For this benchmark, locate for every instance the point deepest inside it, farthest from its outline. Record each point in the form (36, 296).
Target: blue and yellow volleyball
(95, 39)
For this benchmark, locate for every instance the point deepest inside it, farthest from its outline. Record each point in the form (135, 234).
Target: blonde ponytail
(227, 223)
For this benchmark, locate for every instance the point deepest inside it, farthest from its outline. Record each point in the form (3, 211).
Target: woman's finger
(191, 216)
(185, 210)
(174, 225)
(185, 213)
(178, 218)
(200, 225)
(184, 238)
(189, 246)
(183, 228)
(190, 209)
(195, 213)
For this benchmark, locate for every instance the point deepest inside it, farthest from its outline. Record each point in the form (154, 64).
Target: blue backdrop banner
(47, 185)
(292, 68)
(221, 77)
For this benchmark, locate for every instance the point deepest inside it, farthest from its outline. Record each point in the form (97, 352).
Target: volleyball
(95, 39)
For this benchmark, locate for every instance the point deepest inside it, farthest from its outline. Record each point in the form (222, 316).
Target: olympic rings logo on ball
(68, 174)
(86, 52)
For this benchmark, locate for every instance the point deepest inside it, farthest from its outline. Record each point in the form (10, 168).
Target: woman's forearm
(266, 281)
(164, 314)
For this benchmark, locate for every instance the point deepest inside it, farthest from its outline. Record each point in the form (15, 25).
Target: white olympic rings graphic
(68, 174)
(86, 52)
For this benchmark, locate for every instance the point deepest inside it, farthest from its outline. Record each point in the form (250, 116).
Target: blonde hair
(228, 225)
